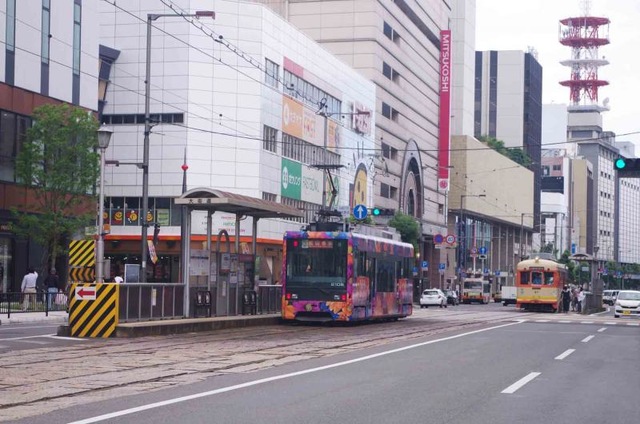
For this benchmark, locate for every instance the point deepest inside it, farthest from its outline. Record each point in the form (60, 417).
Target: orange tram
(539, 283)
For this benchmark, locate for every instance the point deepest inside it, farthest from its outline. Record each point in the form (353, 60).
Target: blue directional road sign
(360, 212)
(482, 250)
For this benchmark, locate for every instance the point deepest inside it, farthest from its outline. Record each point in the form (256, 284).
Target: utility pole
(147, 131)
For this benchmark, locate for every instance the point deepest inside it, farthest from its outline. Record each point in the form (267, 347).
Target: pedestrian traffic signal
(382, 212)
(627, 168)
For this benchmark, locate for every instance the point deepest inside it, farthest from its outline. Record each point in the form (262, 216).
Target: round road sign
(450, 238)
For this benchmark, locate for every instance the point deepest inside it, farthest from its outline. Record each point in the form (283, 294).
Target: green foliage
(368, 220)
(407, 226)
(572, 267)
(60, 163)
(515, 154)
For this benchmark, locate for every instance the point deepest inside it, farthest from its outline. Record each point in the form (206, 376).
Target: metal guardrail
(150, 301)
(16, 302)
(269, 299)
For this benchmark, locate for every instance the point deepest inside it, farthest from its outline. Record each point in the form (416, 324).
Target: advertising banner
(445, 110)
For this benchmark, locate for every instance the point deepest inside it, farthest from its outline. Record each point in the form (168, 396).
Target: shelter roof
(203, 198)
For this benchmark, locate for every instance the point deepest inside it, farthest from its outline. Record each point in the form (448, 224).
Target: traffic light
(382, 212)
(627, 168)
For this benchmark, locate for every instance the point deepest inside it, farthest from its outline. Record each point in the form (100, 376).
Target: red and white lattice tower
(585, 35)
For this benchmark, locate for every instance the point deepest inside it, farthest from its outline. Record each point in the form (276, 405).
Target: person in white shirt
(581, 297)
(29, 287)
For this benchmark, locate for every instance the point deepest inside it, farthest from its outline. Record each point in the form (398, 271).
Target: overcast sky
(516, 25)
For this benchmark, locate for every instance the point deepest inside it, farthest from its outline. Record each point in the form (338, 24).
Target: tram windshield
(317, 260)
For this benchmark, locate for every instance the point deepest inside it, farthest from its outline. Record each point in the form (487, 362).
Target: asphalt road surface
(26, 336)
(517, 371)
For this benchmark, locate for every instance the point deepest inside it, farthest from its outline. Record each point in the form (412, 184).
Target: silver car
(627, 304)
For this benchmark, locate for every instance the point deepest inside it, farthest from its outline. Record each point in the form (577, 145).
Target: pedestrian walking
(566, 299)
(29, 287)
(51, 286)
(581, 297)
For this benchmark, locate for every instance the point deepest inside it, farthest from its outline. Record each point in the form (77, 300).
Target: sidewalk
(55, 317)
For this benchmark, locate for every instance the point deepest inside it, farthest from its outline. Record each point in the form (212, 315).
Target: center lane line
(586, 339)
(602, 329)
(564, 354)
(518, 384)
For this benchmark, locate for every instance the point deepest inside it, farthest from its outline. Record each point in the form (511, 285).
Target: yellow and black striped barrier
(93, 309)
(82, 261)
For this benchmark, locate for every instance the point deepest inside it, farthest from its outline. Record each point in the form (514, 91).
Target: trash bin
(249, 302)
(203, 303)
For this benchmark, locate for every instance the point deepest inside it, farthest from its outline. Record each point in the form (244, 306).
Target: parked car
(433, 297)
(627, 304)
(609, 297)
(452, 297)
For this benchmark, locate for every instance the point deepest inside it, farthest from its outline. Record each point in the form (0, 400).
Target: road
(456, 361)
(14, 337)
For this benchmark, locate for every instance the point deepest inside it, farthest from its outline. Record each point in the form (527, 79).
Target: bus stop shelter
(211, 201)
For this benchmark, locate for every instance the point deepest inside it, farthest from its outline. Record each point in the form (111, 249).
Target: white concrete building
(239, 98)
(628, 226)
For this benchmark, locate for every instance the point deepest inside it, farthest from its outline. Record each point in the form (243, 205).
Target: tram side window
(548, 278)
(385, 276)
(361, 264)
(524, 278)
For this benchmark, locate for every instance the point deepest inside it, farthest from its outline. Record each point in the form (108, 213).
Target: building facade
(508, 106)
(49, 54)
(249, 104)
(397, 46)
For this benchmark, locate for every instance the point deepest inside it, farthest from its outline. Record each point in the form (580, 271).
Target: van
(609, 297)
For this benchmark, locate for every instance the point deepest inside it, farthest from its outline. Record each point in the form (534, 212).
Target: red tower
(585, 35)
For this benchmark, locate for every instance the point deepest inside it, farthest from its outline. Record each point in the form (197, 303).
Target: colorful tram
(539, 283)
(345, 276)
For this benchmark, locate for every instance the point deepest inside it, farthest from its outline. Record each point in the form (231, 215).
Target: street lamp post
(104, 137)
(147, 131)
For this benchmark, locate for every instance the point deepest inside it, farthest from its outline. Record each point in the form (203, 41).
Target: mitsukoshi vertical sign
(444, 139)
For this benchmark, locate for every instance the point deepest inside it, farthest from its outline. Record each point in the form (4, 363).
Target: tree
(515, 154)
(59, 165)
(407, 227)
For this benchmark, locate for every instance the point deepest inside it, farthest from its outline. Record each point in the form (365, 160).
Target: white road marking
(586, 339)
(586, 322)
(634, 324)
(542, 320)
(518, 384)
(602, 329)
(610, 323)
(37, 342)
(564, 354)
(137, 409)
(564, 322)
(78, 339)
(26, 337)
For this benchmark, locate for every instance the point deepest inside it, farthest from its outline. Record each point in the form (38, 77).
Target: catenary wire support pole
(147, 131)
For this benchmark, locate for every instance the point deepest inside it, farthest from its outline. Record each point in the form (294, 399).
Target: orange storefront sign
(292, 117)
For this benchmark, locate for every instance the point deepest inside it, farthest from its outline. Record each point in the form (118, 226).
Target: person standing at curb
(51, 284)
(29, 287)
(566, 299)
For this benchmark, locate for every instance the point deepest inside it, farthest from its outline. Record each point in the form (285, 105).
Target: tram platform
(184, 325)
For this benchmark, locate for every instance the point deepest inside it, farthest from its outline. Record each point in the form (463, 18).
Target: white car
(433, 297)
(627, 304)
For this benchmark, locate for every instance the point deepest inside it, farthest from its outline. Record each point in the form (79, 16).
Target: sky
(518, 25)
